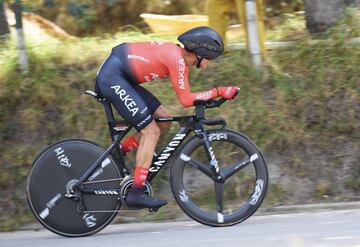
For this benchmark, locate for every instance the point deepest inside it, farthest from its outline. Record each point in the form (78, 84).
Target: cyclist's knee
(164, 126)
(162, 112)
(152, 130)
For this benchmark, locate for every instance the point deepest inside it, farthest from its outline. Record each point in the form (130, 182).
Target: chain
(104, 181)
(125, 210)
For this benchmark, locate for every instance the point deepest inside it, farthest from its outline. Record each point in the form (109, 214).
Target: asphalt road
(339, 228)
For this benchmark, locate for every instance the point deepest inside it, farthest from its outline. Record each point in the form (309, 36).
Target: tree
(321, 14)
(23, 61)
(4, 26)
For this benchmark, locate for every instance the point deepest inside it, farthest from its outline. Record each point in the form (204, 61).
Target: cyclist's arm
(180, 83)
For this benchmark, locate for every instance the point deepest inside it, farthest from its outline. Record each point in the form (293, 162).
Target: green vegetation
(286, 26)
(303, 107)
(89, 17)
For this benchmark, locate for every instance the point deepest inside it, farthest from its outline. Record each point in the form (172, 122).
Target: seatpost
(109, 116)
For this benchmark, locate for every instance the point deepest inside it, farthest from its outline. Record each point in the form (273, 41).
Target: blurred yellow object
(173, 24)
(235, 34)
(219, 18)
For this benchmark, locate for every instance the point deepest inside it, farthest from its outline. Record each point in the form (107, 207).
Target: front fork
(218, 176)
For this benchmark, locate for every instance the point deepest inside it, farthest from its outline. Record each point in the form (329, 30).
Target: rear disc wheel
(55, 171)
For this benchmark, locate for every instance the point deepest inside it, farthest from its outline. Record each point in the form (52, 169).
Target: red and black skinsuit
(131, 64)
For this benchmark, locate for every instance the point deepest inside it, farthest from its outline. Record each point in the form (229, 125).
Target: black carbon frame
(118, 129)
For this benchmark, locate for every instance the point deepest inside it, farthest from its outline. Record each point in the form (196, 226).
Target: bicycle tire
(52, 171)
(187, 196)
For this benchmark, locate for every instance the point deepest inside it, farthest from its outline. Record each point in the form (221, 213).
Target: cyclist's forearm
(187, 98)
(206, 95)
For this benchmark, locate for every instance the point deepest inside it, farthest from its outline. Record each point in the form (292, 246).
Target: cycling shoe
(143, 200)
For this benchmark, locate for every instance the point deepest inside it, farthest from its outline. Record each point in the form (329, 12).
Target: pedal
(153, 210)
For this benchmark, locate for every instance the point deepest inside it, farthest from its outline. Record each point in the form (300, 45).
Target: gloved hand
(228, 92)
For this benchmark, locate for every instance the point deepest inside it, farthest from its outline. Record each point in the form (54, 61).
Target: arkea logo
(125, 97)
(204, 96)
(181, 74)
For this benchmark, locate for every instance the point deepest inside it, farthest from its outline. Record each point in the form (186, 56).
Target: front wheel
(213, 202)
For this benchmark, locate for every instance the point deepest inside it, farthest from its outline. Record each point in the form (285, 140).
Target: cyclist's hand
(228, 92)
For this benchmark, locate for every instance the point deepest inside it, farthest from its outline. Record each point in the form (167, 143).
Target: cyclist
(131, 64)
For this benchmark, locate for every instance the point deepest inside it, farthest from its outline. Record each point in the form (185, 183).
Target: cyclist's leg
(156, 109)
(115, 87)
(151, 134)
(148, 139)
(137, 196)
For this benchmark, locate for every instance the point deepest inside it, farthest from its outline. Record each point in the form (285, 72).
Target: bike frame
(188, 124)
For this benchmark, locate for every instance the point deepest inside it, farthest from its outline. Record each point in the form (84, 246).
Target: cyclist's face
(191, 60)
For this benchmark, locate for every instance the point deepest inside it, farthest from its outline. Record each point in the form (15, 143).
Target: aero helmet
(205, 42)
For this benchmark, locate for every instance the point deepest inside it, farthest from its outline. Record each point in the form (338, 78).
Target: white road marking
(339, 238)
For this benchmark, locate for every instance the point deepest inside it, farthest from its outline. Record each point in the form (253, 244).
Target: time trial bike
(218, 176)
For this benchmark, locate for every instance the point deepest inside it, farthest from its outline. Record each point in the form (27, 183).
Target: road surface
(339, 228)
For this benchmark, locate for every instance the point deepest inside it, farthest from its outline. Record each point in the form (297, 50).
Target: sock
(140, 176)
(129, 144)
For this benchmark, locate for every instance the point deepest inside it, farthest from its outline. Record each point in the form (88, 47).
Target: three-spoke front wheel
(213, 201)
